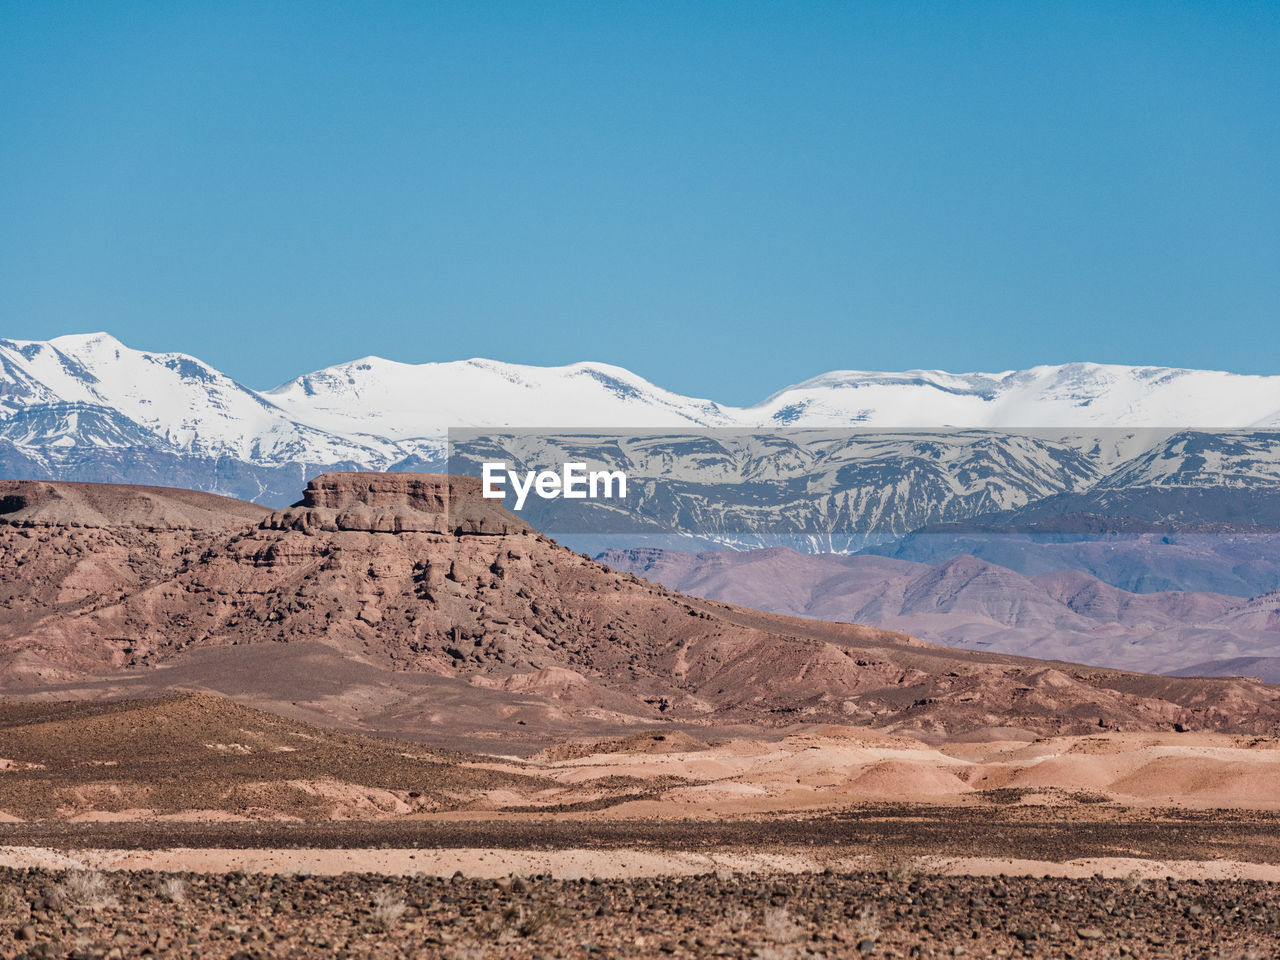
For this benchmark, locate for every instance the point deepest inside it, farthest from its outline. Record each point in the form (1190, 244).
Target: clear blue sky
(723, 197)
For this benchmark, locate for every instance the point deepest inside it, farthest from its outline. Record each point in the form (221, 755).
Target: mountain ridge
(974, 604)
(88, 407)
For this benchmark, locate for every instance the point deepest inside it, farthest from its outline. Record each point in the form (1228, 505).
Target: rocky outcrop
(396, 503)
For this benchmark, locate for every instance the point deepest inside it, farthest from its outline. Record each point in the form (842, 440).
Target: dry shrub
(896, 867)
(720, 871)
(388, 908)
(866, 926)
(89, 889)
(173, 890)
(737, 919)
(514, 919)
(12, 901)
(779, 927)
(534, 920)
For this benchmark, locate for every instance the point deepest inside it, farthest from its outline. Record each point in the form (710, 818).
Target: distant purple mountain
(974, 604)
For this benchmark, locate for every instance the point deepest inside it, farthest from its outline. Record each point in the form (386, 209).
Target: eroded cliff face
(418, 573)
(397, 503)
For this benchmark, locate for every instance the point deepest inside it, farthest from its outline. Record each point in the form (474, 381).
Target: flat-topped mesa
(396, 503)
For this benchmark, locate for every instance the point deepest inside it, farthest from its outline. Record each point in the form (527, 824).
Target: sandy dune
(831, 767)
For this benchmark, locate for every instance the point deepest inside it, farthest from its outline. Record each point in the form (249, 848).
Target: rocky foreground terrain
(194, 827)
(888, 914)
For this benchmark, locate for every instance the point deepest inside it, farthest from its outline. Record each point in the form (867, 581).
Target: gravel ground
(886, 914)
(1038, 833)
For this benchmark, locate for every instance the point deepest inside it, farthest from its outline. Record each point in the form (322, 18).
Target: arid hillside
(197, 757)
(404, 603)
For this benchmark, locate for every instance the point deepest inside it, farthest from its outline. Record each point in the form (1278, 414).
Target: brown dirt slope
(197, 755)
(108, 504)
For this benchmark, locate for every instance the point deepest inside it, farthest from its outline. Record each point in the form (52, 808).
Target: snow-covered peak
(404, 401)
(83, 343)
(182, 402)
(1072, 395)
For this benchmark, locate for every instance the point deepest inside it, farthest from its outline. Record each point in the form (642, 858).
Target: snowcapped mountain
(89, 407)
(406, 401)
(1072, 395)
(366, 407)
(92, 390)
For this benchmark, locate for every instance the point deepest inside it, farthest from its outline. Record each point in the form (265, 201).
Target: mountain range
(88, 407)
(969, 603)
